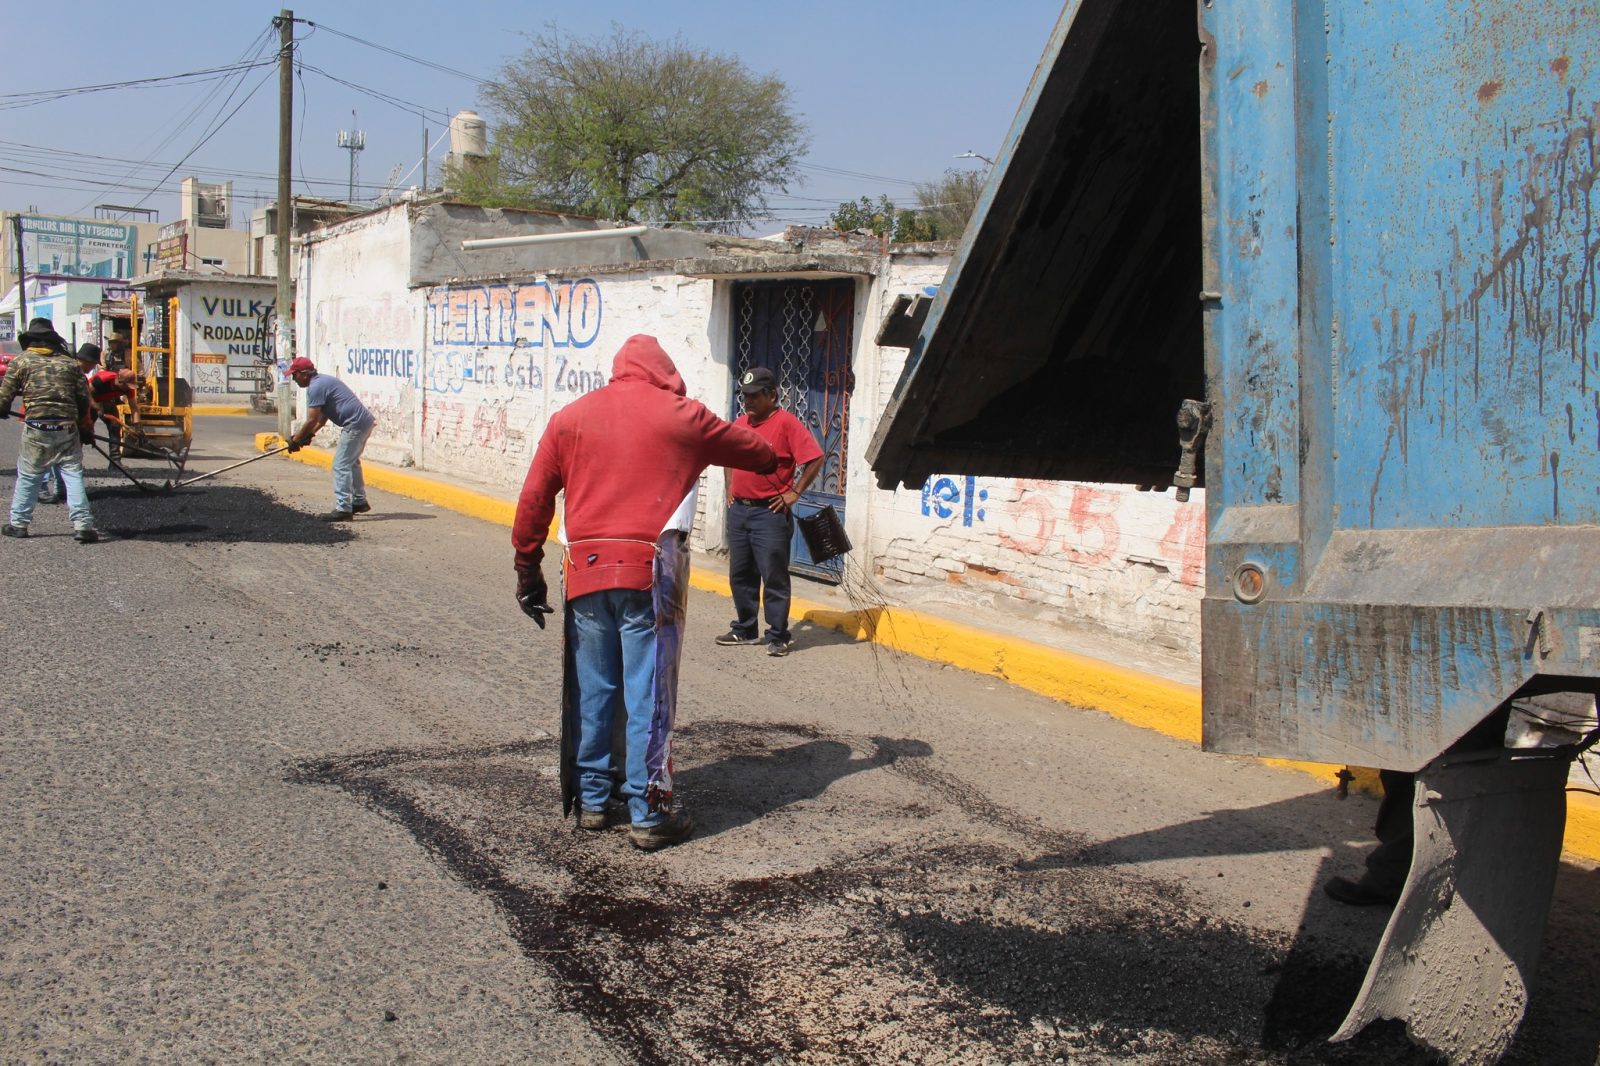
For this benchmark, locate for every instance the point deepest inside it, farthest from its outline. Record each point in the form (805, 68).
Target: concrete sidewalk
(1129, 680)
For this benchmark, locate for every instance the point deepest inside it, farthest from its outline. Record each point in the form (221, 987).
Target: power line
(45, 96)
(22, 152)
(251, 55)
(856, 174)
(420, 110)
(209, 134)
(402, 55)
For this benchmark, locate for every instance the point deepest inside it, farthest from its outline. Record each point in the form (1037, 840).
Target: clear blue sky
(889, 90)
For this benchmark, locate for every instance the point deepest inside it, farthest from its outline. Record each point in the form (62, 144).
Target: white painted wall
(500, 359)
(359, 321)
(464, 378)
(1106, 556)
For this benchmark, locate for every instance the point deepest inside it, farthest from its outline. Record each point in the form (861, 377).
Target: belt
(48, 423)
(764, 501)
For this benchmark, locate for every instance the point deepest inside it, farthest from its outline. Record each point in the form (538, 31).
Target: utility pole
(424, 157)
(285, 343)
(22, 277)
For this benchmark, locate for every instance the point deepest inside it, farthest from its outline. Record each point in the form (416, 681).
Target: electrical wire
(420, 110)
(45, 96)
(838, 172)
(402, 55)
(21, 152)
(201, 143)
(251, 54)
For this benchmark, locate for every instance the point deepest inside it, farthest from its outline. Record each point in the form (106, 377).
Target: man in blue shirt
(330, 400)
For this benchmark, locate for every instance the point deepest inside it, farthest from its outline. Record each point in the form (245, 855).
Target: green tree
(942, 211)
(947, 205)
(880, 217)
(628, 128)
(874, 218)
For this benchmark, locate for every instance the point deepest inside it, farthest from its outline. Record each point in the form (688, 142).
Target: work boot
(361, 508)
(675, 828)
(614, 814)
(336, 516)
(1360, 893)
(86, 536)
(10, 530)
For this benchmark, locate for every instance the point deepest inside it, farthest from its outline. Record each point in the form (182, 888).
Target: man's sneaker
(53, 497)
(675, 828)
(779, 647)
(9, 530)
(336, 516)
(361, 508)
(86, 536)
(731, 638)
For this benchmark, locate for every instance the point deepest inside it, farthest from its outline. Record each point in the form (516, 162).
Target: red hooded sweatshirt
(627, 455)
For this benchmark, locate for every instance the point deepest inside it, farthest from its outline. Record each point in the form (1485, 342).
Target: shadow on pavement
(395, 516)
(750, 778)
(1323, 970)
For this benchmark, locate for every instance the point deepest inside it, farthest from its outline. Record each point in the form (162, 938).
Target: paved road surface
(283, 791)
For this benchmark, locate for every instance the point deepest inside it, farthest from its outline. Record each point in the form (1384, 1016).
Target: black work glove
(86, 434)
(293, 446)
(533, 595)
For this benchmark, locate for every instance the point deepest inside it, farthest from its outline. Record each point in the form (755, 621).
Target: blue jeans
(349, 489)
(758, 555)
(41, 449)
(614, 657)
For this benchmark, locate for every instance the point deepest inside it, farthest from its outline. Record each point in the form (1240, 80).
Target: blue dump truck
(1338, 265)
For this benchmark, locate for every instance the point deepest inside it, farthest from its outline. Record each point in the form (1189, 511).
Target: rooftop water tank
(469, 134)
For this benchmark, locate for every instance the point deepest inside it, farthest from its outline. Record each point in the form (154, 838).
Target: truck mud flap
(1460, 949)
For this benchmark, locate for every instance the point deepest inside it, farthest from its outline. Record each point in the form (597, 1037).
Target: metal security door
(802, 332)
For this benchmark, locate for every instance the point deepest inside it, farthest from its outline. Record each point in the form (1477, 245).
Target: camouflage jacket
(50, 383)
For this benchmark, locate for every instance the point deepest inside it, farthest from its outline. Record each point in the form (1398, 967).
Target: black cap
(41, 332)
(757, 380)
(89, 352)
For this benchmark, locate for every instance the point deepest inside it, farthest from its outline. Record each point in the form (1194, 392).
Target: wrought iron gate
(803, 332)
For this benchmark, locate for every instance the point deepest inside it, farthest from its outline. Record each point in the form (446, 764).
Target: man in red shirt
(627, 456)
(760, 516)
(107, 389)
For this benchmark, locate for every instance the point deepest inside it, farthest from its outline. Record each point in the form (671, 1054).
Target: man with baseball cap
(330, 400)
(760, 522)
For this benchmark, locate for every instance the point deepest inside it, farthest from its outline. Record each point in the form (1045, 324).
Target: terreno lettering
(544, 314)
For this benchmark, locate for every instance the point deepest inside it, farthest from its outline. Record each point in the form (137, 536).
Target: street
(280, 790)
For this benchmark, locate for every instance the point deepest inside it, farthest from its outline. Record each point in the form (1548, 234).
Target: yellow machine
(165, 426)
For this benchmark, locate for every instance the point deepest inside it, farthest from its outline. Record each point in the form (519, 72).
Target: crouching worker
(627, 456)
(107, 390)
(56, 410)
(331, 400)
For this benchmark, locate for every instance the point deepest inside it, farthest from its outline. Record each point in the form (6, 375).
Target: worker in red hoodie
(628, 456)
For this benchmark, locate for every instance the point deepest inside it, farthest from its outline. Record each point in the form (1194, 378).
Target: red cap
(299, 364)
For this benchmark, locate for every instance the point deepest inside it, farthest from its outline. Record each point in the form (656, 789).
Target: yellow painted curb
(218, 409)
(1136, 698)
